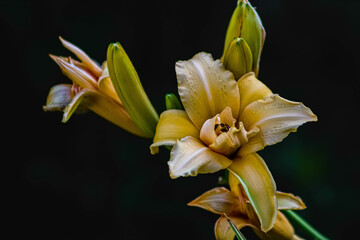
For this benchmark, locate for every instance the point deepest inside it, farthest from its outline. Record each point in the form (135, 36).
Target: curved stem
(237, 232)
(304, 225)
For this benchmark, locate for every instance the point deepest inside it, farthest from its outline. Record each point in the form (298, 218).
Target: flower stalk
(238, 234)
(304, 225)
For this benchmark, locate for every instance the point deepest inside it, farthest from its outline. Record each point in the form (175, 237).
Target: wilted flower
(223, 126)
(91, 89)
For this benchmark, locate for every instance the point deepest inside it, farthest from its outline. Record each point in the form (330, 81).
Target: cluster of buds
(244, 41)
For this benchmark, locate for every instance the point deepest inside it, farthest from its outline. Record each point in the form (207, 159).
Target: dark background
(88, 179)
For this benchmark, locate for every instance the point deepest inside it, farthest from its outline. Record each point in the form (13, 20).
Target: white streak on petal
(189, 157)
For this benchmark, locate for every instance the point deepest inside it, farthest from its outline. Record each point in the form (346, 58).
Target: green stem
(304, 225)
(238, 234)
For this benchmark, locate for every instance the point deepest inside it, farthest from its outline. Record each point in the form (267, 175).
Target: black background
(88, 179)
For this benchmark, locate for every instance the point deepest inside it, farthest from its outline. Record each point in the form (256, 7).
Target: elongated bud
(130, 91)
(238, 58)
(172, 102)
(245, 23)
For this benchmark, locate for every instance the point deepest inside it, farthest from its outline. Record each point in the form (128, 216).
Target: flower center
(223, 134)
(220, 128)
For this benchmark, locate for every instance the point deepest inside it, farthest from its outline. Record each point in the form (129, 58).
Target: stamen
(222, 127)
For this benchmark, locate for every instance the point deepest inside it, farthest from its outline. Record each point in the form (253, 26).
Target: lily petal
(256, 179)
(173, 125)
(282, 230)
(76, 74)
(66, 59)
(93, 66)
(106, 86)
(189, 157)
(206, 88)
(228, 142)
(296, 237)
(288, 201)
(103, 106)
(208, 130)
(251, 90)
(276, 117)
(223, 230)
(218, 200)
(59, 97)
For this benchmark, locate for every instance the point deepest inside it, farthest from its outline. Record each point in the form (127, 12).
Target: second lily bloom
(112, 91)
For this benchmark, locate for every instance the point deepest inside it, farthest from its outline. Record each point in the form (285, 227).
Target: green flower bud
(130, 91)
(172, 102)
(245, 23)
(238, 58)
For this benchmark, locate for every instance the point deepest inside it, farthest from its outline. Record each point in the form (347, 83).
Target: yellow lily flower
(234, 205)
(224, 124)
(91, 89)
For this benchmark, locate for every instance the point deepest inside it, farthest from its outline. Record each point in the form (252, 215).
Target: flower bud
(172, 102)
(130, 91)
(245, 23)
(238, 58)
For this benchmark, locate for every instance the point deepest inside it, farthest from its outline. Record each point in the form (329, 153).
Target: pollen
(220, 128)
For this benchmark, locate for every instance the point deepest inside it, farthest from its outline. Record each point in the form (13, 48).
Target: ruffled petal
(212, 127)
(189, 157)
(287, 201)
(276, 117)
(254, 144)
(207, 132)
(206, 88)
(251, 90)
(256, 179)
(228, 142)
(173, 125)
